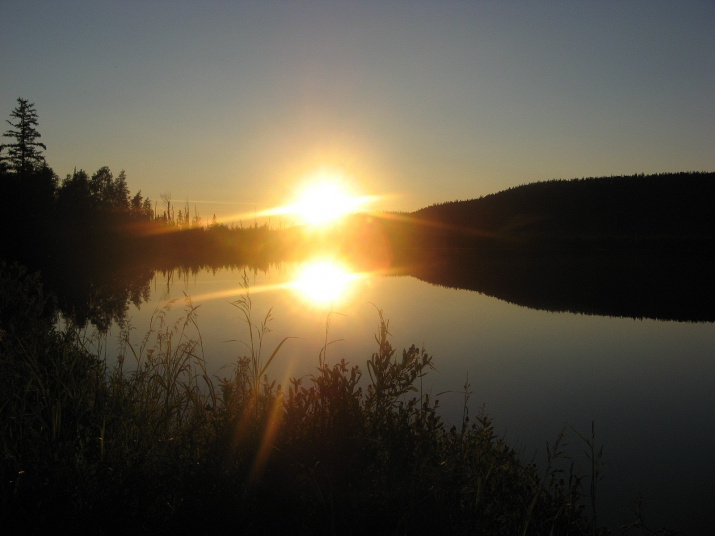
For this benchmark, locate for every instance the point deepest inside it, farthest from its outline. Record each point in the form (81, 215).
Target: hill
(645, 210)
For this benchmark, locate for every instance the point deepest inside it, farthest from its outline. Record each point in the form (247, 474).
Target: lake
(647, 384)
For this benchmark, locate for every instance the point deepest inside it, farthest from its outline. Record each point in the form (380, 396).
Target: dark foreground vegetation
(154, 444)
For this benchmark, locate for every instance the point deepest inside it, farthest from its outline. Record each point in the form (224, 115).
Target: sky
(231, 105)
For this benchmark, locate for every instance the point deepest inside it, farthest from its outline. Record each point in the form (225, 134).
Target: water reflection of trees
(98, 294)
(625, 285)
(101, 294)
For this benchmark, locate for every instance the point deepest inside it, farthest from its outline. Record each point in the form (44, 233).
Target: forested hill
(641, 208)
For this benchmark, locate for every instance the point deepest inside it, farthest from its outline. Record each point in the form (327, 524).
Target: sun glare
(324, 202)
(322, 199)
(323, 282)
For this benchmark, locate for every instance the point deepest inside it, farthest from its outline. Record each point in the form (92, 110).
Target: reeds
(257, 368)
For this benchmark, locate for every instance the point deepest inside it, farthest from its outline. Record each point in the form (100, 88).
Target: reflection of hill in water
(645, 286)
(625, 285)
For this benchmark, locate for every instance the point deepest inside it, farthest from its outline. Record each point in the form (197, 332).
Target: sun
(321, 200)
(326, 197)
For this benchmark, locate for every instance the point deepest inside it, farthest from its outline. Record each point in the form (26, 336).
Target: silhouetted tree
(74, 197)
(119, 193)
(141, 208)
(101, 186)
(110, 193)
(28, 187)
(24, 156)
(169, 214)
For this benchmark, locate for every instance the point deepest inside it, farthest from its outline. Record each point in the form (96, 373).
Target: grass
(153, 444)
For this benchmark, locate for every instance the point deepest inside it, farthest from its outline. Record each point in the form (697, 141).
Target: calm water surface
(647, 384)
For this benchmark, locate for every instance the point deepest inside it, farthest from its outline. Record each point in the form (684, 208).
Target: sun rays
(322, 199)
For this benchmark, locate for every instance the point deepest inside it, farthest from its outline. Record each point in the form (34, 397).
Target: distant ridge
(663, 208)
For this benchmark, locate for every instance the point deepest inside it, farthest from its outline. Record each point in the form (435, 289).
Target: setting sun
(325, 201)
(322, 199)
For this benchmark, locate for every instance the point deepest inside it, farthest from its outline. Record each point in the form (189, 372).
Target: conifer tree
(25, 155)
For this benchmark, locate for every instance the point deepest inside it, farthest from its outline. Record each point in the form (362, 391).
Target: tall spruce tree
(25, 155)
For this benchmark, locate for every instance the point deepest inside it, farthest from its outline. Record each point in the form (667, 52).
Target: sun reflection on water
(325, 282)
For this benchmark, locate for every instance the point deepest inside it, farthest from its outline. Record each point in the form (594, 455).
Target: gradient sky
(230, 104)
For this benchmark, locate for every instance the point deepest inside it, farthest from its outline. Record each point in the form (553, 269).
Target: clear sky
(229, 104)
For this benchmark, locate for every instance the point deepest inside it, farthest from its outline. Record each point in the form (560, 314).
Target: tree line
(41, 211)
(45, 217)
